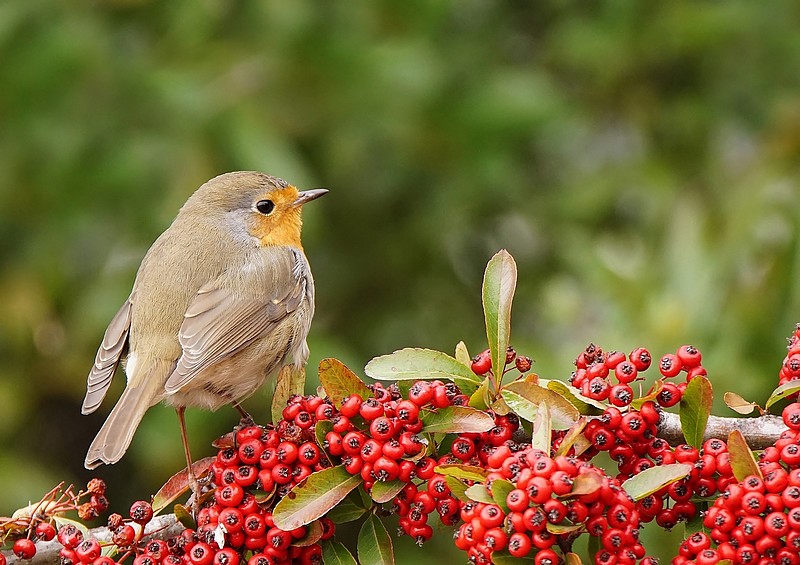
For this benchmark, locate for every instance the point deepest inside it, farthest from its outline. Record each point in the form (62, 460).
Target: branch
(160, 527)
(759, 432)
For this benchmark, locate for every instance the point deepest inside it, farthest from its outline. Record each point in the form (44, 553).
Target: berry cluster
(386, 447)
(36, 523)
(596, 367)
(790, 368)
(540, 498)
(759, 518)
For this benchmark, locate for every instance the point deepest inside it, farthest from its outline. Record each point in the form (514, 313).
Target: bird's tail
(115, 436)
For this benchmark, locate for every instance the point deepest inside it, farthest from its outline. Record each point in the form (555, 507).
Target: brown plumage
(221, 301)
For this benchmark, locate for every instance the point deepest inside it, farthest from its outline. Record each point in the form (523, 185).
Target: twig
(160, 527)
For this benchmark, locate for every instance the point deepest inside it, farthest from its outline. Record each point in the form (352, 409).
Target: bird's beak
(308, 196)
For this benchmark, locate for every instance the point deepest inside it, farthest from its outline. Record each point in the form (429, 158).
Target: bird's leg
(246, 419)
(193, 484)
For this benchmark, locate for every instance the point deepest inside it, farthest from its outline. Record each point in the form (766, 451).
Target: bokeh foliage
(638, 159)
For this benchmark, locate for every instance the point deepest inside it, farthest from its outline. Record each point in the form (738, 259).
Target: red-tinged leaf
(466, 472)
(289, 382)
(572, 559)
(340, 382)
(499, 284)
(695, 409)
(562, 413)
(314, 497)
(384, 492)
(314, 533)
(457, 488)
(335, 553)
(743, 463)
(650, 480)
(786, 389)
(374, 543)
(457, 420)
(586, 483)
(572, 436)
(500, 490)
(225, 441)
(422, 364)
(479, 493)
(738, 404)
(179, 484)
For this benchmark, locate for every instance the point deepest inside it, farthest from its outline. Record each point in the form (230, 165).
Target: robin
(222, 300)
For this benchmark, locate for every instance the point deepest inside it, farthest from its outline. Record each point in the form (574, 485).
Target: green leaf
(695, 410)
(290, 381)
(457, 488)
(340, 382)
(586, 406)
(500, 490)
(480, 398)
(457, 420)
(346, 511)
(786, 389)
(321, 429)
(561, 529)
(499, 284)
(503, 558)
(743, 463)
(374, 543)
(178, 484)
(542, 430)
(479, 493)
(335, 553)
(650, 480)
(524, 394)
(462, 354)
(314, 497)
(419, 364)
(466, 472)
(384, 492)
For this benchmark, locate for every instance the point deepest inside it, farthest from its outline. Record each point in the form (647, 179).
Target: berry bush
(478, 448)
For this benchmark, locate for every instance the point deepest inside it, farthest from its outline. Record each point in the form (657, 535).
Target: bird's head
(253, 205)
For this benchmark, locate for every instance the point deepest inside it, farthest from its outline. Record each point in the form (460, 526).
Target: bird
(222, 300)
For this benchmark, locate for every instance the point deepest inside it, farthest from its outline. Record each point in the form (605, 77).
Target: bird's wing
(217, 324)
(108, 357)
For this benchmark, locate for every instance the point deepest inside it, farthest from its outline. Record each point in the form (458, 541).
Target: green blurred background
(638, 159)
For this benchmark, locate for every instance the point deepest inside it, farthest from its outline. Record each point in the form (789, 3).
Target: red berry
(641, 358)
(88, 550)
(689, 356)
(519, 545)
(201, 554)
(45, 531)
(24, 548)
(141, 512)
(669, 365)
(482, 362)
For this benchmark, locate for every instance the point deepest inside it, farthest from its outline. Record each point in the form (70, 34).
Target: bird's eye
(265, 206)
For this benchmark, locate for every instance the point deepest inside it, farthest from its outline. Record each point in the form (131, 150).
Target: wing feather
(115, 341)
(218, 323)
